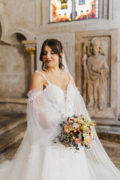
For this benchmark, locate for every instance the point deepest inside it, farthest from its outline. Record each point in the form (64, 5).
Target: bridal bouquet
(76, 131)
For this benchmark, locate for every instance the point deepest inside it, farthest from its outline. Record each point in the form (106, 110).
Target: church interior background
(79, 25)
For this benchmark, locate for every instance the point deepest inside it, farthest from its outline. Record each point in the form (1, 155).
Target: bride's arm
(37, 84)
(37, 81)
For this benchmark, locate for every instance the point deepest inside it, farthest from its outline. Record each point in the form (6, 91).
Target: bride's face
(50, 58)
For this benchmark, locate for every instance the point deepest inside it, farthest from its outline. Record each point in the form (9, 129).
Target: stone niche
(13, 72)
(96, 72)
(15, 76)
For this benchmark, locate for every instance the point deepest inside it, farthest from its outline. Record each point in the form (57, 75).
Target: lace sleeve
(39, 124)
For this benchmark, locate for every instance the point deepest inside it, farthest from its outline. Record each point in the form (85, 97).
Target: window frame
(104, 14)
(73, 13)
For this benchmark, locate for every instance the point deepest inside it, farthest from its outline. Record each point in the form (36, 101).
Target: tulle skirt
(45, 162)
(55, 162)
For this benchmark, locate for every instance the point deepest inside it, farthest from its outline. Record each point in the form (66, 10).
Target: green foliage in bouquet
(76, 131)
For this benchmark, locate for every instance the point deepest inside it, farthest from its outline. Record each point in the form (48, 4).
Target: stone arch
(15, 64)
(10, 36)
(14, 54)
(16, 38)
(26, 35)
(0, 31)
(3, 25)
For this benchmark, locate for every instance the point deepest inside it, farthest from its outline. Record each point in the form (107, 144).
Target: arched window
(72, 10)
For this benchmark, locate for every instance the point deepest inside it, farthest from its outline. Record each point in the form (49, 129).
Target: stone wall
(29, 18)
(14, 71)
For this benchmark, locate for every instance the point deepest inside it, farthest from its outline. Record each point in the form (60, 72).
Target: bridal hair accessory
(75, 132)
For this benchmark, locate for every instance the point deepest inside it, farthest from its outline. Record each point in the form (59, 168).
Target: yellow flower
(85, 140)
(86, 119)
(75, 125)
(83, 127)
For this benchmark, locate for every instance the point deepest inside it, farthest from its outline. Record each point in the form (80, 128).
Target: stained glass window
(86, 9)
(80, 2)
(60, 10)
(70, 10)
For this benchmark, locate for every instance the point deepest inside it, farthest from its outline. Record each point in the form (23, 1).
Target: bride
(53, 97)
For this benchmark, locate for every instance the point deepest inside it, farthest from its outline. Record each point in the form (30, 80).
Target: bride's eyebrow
(44, 52)
(53, 51)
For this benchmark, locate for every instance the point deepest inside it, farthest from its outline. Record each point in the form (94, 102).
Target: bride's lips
(48, 61)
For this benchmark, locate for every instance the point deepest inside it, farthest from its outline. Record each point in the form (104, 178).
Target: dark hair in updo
(56, 47)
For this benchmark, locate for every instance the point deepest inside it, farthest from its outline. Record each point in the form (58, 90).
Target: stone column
(30, 47)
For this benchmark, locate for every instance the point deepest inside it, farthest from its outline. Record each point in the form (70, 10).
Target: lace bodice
(56, 99)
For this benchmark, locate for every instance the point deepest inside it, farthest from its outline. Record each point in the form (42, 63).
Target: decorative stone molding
(3, 20)
(38, 18)
(9, 37)
(30, 47)
(14, 100)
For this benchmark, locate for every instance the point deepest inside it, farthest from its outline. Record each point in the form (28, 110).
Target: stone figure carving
(95, 73)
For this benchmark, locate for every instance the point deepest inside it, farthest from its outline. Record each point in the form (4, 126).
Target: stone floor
(13, 126)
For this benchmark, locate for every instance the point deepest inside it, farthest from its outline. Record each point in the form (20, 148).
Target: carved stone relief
(96, 72)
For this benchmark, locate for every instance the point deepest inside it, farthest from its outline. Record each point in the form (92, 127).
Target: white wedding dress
(39, 158)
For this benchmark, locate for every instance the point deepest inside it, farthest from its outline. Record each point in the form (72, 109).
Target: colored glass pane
(60, 10)
(80, 2)
(86, 9)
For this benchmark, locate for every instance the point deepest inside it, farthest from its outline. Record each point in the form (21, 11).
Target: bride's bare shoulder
(37, 81)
